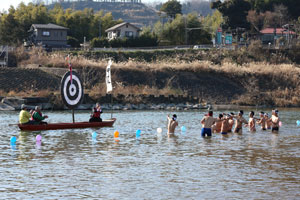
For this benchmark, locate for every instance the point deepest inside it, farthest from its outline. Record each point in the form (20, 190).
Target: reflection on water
(70, 164)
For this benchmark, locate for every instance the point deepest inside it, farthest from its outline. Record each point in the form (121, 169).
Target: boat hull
(58, 126)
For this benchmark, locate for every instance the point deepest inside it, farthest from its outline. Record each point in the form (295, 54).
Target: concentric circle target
(71, 91)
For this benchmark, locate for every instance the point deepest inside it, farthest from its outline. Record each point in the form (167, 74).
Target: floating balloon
(280, 123)
(159, 130)
(94, 135)
(116, 134)
(183, 129)
(38, 138)
(138, 133)
(13, 139)
(298, 122)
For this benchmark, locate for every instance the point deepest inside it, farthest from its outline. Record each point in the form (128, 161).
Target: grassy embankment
(250, 76)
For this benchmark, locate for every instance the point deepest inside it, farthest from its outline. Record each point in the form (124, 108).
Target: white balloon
(159, 130)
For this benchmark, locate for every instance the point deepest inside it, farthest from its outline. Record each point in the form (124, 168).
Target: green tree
(172, 8)
(234, 12)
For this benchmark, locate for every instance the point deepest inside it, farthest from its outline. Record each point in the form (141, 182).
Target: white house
(122, 30)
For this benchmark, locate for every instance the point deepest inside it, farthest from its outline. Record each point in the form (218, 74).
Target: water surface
(69, 164)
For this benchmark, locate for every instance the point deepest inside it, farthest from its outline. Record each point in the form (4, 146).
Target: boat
(75, 125)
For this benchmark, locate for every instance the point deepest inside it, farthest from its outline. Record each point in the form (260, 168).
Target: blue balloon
(138, 133)
(298, 122)
(13, 139)
(94, 134)
(183, 129)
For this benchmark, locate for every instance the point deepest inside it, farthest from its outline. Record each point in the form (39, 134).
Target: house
(122, 30)
(269, 35)
(48, 35)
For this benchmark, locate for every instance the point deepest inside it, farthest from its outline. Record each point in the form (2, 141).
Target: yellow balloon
(116, 134)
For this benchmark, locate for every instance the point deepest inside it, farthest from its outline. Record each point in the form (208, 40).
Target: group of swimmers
(224, 123)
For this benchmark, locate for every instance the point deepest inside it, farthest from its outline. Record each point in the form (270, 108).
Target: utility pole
(99, 29)
(186, 31)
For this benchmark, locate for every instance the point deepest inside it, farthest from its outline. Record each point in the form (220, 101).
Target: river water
(69, 164)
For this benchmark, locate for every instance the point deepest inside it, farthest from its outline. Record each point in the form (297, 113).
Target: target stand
(71, 91)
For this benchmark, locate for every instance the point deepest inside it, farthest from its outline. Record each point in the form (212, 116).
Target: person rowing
(25, 116)
(95, 117)
(38, 117)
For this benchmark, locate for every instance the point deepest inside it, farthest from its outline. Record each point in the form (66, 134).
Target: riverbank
(169, 81)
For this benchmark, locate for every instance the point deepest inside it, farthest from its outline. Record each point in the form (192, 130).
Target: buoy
(38, 138)
(13, 139)
(94, 135)
(183, 129)
(138, 133)
(280, 123)
(298, 122)
(116, 134)
(159, 130)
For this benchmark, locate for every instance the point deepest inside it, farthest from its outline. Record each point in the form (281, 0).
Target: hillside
(136, 13)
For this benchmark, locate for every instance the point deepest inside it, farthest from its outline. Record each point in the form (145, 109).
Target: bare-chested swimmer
(240, 120)
(251, 122)
(268, 121)
(207, 122)
(275, 121)
(217, 126)
(172, 124)
(225, 125)
(262, 121)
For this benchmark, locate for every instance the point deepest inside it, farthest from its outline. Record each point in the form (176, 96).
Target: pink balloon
(38, 138)
(280, 123)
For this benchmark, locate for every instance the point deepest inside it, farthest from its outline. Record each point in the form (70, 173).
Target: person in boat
(95, 117)
(25, 116)
(172, 124)
(275, 121)
(38, 117)
(240, 120)
(208, 121)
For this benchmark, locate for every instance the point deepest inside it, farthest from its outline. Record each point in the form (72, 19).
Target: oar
(13, 124)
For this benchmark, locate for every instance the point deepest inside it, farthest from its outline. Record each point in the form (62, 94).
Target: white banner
(108, 77)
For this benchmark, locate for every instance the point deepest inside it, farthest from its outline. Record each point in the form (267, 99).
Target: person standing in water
(268, 121)
(262, 121)
(240, 120)
(217, 126)
(172, 124)
(275, 121)
(207, 121)
(225, 125)
(251, 122)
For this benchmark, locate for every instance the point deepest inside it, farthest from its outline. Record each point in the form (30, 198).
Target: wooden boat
(76, 125)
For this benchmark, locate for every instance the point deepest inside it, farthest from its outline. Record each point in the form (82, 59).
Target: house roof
(278, 31)
(49, 26)
(120, 25)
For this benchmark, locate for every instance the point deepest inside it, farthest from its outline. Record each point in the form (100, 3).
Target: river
(70, 164)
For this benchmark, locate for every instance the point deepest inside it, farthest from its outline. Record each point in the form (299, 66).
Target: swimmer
(262, 121)
(240, 120)
(275, 121)
(207, 122)
(251, 122)
(225, 125)
(217, 126)
(230, 122)
(172, 124)
(268, 121)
